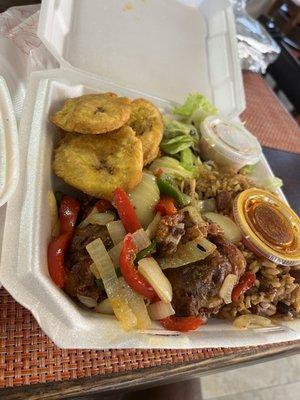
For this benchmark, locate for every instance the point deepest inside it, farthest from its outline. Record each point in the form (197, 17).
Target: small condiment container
(269, 226)
(230, 145)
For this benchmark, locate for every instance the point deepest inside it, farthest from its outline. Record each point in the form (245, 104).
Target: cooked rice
(273, 282)
(213, 181)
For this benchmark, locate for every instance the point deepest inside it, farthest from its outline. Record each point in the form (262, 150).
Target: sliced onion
(248, 320)
(187, 253)
(87, 301)
(114, 254)
(226, 289)
(138, 306)
(116, 231)
(54, 221)
(141, 240)
(150, 270)
(95, 218)
(160, 310)
(152, 227)
(194, 215)
(207, 205)
(104, 307)
(116, 295)
(231, 230)
(94, 270)
(144, 198)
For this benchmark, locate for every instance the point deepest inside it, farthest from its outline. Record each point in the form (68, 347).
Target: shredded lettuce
(190, 162)
(176, 144)
(172, 126)
(181, 137)
(187, 159)
(178, 136)
(172, 167)
(195, 109)
(272, 184)
(247, 169)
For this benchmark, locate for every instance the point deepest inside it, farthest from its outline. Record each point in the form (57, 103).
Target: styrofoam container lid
(9, 151)
(231, 139)
(165, 48)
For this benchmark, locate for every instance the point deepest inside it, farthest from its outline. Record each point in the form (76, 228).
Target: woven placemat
(28, 356)
(267, 118)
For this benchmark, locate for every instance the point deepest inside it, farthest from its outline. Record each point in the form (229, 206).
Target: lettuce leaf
(176, 144)
(195, 109)
(178, 136)
(190, 162)
(172, 126)
(272, 184)
(172, 167)
(247, 169)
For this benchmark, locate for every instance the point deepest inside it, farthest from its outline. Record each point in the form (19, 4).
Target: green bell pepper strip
(58, 196)
(145, 252)
(168, 186)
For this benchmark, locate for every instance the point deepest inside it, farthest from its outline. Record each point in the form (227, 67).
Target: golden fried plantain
(146, 121)
(93, 113)
(98, 164)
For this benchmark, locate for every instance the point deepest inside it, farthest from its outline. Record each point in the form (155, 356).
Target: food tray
(64, 31)
(67, 324)
(29, 357)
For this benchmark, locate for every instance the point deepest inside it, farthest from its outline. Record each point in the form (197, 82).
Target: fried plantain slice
(93, 113)
(98, 164)
(146, 121)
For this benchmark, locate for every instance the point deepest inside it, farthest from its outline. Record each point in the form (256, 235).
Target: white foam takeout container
(132, 49)
(9, 151)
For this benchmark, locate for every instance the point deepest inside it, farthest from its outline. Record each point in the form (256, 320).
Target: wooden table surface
(285, 165)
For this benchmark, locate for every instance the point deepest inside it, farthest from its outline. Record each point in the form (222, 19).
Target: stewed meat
(169, 233)
(84, 236)
(224, 201)
(175, 229)
(80, 280)
(230, 252)
(196, 286)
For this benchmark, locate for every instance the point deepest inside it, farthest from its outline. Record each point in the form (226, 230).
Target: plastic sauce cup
(270, 228)
(230, 145)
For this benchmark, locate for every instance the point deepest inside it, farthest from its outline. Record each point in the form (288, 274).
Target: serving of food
(167, 225)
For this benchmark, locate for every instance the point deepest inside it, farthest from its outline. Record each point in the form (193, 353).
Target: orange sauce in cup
(269, 226)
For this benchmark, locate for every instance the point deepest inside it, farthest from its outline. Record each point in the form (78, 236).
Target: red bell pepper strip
(181, 324)
(56, 257)
(134, 279)
(68, 212)
(166, 206)
(246, 282)
(126, 211)
(103, 205)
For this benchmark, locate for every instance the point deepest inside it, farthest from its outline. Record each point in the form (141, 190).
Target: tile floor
(273, 380)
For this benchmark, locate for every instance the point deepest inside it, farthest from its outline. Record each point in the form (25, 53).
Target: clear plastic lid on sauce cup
(269, 226)
(228, 144)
